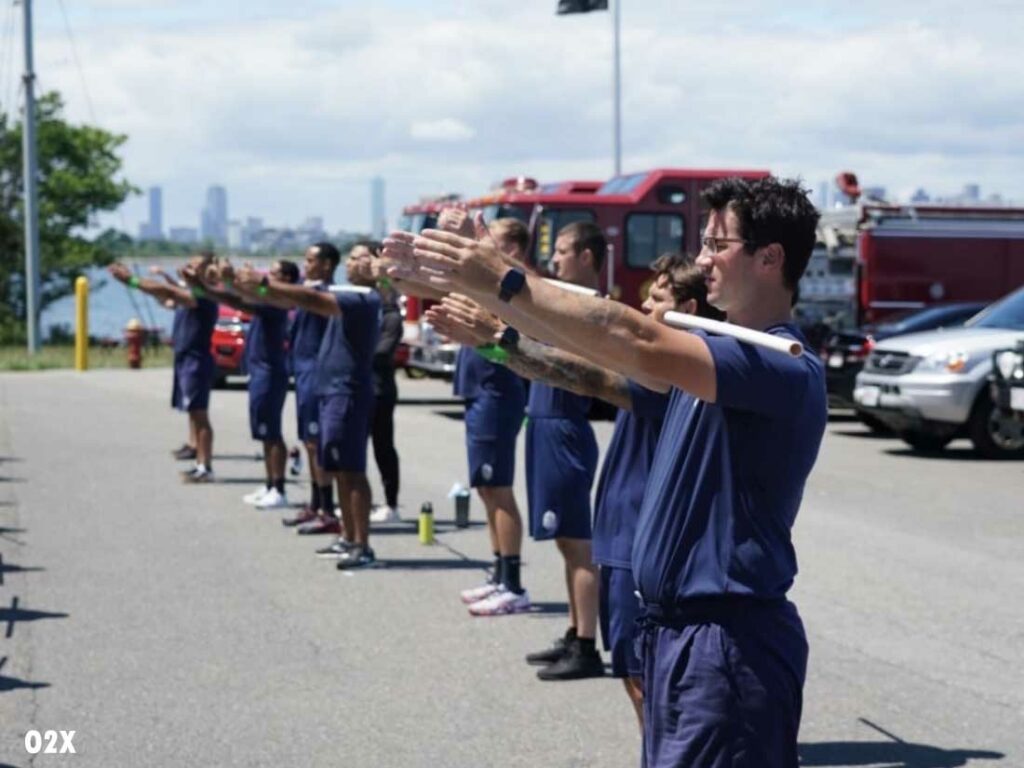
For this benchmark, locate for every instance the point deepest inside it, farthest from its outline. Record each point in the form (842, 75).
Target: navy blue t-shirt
(265, 340)
(193, 328)
(345, 363)
(547, 402)
(623, 478)
(476, 377)
(728, 477)
(307, 332)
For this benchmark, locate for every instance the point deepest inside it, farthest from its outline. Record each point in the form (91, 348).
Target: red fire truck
(874, 259)
(643, 215)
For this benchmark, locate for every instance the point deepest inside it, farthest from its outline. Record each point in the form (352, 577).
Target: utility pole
(31, 192)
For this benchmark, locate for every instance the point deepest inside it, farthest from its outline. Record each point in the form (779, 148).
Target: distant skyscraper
(971, 193)
(156, 213)
(378, 211)
(214, 219)
(920, 196)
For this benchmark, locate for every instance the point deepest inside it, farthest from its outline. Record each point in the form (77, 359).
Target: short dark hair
(587, 235)
(373, 246)
(686, 281)
(325, 250)
(512, 230)
(771, 210)
(289, 270)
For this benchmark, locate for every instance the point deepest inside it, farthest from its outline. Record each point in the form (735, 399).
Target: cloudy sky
(294, 106)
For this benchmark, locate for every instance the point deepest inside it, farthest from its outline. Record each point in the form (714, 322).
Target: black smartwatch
(511, 284)
(509, 338)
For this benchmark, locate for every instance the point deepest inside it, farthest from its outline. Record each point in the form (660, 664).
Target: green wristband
(384, 283)
(197, 292)
(493, 353)
(262, 291)
(133, 282)
(229, 284)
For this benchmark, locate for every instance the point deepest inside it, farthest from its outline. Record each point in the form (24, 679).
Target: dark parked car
(844, 352)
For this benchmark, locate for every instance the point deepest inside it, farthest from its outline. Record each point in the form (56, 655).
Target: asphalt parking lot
(171, 625)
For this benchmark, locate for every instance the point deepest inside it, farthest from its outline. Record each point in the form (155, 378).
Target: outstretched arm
(286, 295)
(465, 322)
(162, 292)
(627, 340)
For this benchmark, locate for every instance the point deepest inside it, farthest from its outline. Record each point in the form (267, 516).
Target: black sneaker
(356, 557)
(575, 664)
(185, 453)
(337, 549)
(558, 649)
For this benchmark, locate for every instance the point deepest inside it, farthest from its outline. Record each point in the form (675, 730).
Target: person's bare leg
(315, 473)
(276, 455)
(193, 437)
(199, 421)
(583, 578)
(508, 522)
(348, 526)
(356, 490)
(635, 691)
(492, 532)
(573, 618)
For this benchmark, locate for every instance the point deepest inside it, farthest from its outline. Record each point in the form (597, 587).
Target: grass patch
(18, 358)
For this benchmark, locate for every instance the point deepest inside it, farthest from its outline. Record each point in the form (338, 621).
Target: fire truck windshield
(499, 211)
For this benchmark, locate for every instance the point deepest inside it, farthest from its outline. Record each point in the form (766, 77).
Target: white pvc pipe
(746, 335)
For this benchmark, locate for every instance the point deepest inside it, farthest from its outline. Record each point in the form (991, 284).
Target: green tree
(79, 177)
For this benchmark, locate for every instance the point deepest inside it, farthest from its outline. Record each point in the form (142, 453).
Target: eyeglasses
(715, 244)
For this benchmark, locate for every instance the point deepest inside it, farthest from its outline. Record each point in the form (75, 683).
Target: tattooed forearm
(564, 370)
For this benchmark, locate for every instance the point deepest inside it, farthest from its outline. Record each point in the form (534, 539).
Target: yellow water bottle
(427, 523)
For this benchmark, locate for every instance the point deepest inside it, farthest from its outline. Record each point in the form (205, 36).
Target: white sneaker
(272, 499)
(476, 594)
(382, 513)
(501, 603)
(255, 496)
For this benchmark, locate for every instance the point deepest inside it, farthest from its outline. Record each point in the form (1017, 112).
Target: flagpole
(617, 78)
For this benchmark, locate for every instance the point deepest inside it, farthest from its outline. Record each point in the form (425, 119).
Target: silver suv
(932, 387)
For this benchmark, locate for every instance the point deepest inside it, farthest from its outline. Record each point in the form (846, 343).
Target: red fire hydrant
(133, 342)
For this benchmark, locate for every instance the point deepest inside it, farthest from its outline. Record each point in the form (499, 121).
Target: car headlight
(946, 362)
(1010, 364)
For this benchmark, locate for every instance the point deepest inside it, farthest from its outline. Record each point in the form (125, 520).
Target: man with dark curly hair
(724, 652)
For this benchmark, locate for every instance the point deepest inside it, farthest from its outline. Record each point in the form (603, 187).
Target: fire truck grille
(891, 363)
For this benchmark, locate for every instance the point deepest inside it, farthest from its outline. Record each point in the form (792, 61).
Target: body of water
(112, 305)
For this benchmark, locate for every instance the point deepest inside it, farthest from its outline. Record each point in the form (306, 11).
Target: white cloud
(294, 112)
(446, 129)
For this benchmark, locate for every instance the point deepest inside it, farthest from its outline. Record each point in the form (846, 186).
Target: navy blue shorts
(307, 406)
(491, 431)
(344, 429)
(193, 378)
(267, 392)
(723, 688)
(561, 458)
(619, 611)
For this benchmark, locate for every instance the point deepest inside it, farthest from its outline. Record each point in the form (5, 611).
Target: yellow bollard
(81, 323)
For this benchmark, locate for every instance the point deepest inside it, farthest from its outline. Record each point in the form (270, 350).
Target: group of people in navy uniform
(685, 560)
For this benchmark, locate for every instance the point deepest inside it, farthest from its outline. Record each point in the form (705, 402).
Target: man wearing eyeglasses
(724, 652)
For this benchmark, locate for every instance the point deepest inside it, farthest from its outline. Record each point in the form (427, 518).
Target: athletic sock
(495, 577)
(570, 635)
(279, 485)
(327, 500)
(587, 646)
(269, 483)
(314, 496)
(510, 573)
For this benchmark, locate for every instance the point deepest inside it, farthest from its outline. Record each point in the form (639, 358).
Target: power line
(78, 63)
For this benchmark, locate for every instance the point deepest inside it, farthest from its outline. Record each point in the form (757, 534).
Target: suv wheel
(925, 442)
(994, 433)
(873, 423)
